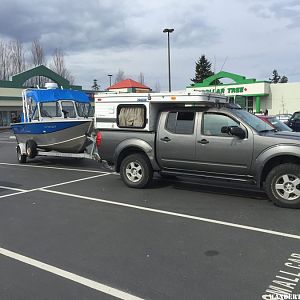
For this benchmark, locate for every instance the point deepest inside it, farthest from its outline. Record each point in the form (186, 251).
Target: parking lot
(70, 229)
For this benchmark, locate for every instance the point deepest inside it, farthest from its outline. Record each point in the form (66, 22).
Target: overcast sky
(99, 37)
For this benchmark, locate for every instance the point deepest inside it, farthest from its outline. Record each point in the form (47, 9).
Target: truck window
(181, 122)
(212, 124)
(131, 116)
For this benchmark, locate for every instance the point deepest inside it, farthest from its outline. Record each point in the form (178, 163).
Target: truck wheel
(31, 148)
(136, 171)
(21, 157)
(283, 185)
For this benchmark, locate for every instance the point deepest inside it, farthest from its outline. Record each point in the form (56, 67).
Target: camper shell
(135, 111)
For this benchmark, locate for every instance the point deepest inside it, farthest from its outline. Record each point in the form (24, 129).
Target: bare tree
(38, 58)
(4, 61)
(59, 67)
(17, 57)
(119, 76)
(141, 78)
(38, 55)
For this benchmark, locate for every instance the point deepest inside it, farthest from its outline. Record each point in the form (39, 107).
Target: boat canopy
(50, 95)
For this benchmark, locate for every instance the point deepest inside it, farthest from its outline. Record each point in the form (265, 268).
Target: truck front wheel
(283, 185)
(136, 170)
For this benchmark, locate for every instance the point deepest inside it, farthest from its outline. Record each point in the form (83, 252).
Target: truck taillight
(98, 138)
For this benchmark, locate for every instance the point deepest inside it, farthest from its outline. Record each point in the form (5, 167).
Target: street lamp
(109, 75)
(169, 30)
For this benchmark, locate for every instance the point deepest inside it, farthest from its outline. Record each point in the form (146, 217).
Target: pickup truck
(221, 142)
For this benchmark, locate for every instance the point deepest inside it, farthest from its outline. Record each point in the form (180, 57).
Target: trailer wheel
(21, 157)
(136, 170)
(283, 185)
(31, 148)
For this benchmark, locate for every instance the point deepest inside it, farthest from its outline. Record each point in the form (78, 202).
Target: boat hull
(61, 136)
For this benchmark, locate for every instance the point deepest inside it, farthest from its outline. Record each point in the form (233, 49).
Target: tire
(283, 185)
(31, 148)
(22, 158)
(136, 170)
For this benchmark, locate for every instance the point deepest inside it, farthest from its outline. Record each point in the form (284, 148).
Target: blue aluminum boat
(54, 119)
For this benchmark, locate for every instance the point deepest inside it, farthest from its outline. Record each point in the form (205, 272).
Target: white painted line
(6, 142)
(174, 214)
(11, 188)
(55, 168)
(13, 194)
(53, 185)
(72, 181)
(68, 275)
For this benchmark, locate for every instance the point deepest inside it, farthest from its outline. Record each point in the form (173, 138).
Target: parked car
(284, 117)
(294, 121)
(275, 122)
(174, 135)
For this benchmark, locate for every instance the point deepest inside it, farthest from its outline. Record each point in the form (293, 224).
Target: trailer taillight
(98, 138)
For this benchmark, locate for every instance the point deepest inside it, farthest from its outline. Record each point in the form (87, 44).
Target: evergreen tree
(275, 77)
(283, 79)
(202, 70)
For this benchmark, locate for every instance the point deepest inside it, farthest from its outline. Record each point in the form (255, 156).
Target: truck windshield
(253, 121)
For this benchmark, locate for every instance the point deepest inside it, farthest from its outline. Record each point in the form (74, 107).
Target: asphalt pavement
(70, 229)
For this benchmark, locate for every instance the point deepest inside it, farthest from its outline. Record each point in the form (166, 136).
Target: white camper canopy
(139, 111)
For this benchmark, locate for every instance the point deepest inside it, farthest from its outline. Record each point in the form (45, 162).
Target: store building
(11, 91)
(255, 96)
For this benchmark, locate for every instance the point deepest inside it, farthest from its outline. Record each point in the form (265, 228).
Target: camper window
(132, 116)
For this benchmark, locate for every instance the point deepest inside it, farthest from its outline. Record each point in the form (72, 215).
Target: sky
(101, 37)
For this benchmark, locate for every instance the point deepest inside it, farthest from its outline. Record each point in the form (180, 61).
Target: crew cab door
(176, 138)
(219, 152)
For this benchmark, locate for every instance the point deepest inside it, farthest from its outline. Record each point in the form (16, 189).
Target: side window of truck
(131, 116)
(181, 122)
(212, 124)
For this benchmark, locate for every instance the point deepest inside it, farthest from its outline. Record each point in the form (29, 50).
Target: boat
(53, 119)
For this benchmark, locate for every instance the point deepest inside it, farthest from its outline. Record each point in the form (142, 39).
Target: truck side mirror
(237, 131)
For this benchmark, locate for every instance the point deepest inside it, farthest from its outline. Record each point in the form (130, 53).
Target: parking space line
(174, 214)
(11, 188)
(55, 168)
(54, 185)
(68, 275)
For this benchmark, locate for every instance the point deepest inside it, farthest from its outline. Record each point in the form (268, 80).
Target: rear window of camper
(131, 116)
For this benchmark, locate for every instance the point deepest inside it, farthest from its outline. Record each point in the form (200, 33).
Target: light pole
(169, 30)
(109, 75)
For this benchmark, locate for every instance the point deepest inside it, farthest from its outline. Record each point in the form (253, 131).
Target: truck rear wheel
(283, 185)
(136, 170)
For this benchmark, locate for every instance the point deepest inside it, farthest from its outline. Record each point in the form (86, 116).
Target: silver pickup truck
(211, 142)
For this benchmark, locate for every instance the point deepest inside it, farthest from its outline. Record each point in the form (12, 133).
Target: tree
(59, 67)
(283, 79)
(119, 76)
(95, 86)
(202, 70)
(275, 77)
(38, 58)
(4, 61)
(17, 57)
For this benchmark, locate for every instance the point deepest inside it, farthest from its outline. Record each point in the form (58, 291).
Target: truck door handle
(165, 139)
(203, 141)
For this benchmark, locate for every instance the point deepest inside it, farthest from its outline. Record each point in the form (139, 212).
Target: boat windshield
(68, 109)
(50, 109)
(84, 109)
